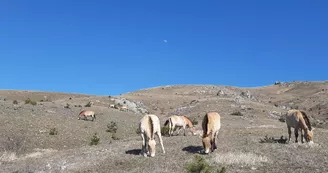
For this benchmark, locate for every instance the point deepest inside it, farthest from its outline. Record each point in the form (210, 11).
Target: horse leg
(215, 140)
(184, 130)
(289, 133)
(161, 141)
(143, 148)
(170, 128)
(302, 136)
(296, 134)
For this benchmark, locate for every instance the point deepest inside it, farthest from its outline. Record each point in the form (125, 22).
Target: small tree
(94, 139)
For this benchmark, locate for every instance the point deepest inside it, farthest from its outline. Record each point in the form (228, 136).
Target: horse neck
(188, 122)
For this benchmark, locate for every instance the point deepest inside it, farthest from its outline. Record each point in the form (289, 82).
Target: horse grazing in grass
(299, 120)
(211, 125)
(149, 126)
(179, 121)
(86, 114)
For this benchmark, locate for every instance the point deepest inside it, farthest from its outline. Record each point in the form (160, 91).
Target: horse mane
(151, 127)
(205, 122)
(307, 120)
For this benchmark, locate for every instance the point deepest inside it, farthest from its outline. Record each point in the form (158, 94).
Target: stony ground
(27, 146)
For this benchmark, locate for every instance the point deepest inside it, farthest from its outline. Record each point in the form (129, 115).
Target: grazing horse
(179, 121)
(149, 126)
(86, 114)
(299, 120)
(211, 125)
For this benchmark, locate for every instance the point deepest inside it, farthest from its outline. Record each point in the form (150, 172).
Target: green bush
(53, 131)
(29, 101)
(15, 102)
(200, 165)
(94, 139)
(165, 130)
(112, 127)
(88, 104)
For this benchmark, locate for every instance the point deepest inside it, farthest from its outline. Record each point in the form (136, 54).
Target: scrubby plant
(88, 104)
(165, 130)
(67, 106)
(112, 127)
(53, 131)
(29, 101)
(15, 102)
(94, 139)
(200, 165)
(138, 131)
(237, 113)
(194, 122)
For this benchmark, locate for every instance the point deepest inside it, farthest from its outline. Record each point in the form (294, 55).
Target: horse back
(294, 118)
(211, 123)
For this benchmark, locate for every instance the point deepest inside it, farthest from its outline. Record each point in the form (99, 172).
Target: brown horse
(211, 125)
(86, 114)
(179, 121)
(299, 120)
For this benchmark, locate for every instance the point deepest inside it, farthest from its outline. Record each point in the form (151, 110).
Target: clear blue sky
(109, 48)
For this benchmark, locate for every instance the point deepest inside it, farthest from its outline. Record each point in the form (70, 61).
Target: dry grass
(239, 158)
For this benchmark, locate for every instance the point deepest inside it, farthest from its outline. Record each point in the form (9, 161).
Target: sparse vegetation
(267, 139)
(138, 131)
(94, 139)
(88, 104)
(53, 131)
(15, 102)
(200, 165)
(194, 122)
(165, 130)
(112, 127)
(29, 101)
(15, 144)
(67, 106)
(237, 113)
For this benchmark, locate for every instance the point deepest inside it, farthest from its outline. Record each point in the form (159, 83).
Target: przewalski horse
(149, 126)
(179, 121)
(299, 120)
(211, 125)
(86, 114)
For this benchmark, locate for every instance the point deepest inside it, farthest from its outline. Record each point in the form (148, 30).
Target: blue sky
(113, 47)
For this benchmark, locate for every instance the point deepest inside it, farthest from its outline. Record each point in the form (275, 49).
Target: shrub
(29, 101)
(53, 131)
(199, 164)
(15, 102)
(138, 131)
(237, 113)
(67, 106)
(267, 139)
(88, 104)
(112, 127)
(194, 122)
(94, 139)
(165, 130)
(114, 137)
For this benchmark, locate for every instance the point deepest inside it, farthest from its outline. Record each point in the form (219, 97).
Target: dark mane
(307, 121)
(151, 127)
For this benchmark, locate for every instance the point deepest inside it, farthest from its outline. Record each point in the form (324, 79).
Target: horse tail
(167, 122)
(205, 125)
(151, 127)
(307, 120)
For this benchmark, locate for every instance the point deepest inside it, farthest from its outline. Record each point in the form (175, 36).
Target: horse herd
(149, 126)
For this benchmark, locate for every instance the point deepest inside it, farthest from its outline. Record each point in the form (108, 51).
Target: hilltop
(248, 115)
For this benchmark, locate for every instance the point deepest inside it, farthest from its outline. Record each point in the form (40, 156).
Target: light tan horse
(149, 126)
(211, 125)
(86, 114)
(299, 120)
(179, 121)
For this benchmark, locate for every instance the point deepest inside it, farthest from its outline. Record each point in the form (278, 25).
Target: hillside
(27, 146)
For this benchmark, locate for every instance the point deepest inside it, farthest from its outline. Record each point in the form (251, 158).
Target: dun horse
(179, 121)
(149, 126)
(211, 125)
(86, 114)
(299, 120)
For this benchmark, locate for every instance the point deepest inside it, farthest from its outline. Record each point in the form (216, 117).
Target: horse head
(152, 147)
(309, 135)
(207, 143)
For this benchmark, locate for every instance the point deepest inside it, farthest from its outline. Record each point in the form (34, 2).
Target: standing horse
(86, 114)
(149, 126)
(179, 121)
(211, 125)
(299, 120)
